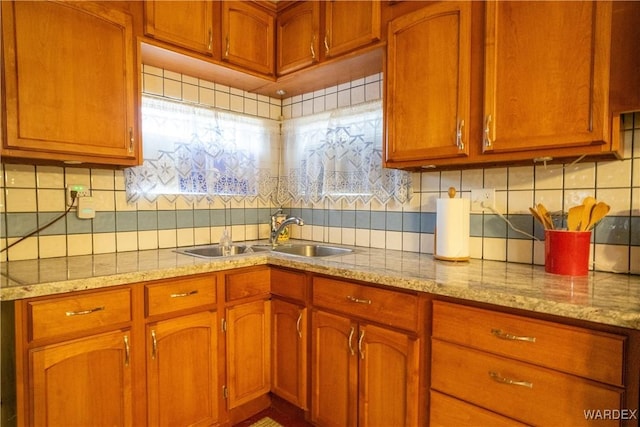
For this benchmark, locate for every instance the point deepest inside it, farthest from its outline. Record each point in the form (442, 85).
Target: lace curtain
(338, 156)
(198, 152)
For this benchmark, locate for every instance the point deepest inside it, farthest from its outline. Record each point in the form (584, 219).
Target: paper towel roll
(452, 229)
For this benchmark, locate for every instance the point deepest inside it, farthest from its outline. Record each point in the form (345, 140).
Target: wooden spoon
(588, 203)
(574, 217)
(537, 216)
(546, 216)
(599, 211)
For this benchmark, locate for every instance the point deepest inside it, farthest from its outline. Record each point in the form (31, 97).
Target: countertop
(606, 298)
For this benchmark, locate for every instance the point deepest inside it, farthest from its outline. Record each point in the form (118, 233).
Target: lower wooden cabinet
(82, 382)
(182, 371)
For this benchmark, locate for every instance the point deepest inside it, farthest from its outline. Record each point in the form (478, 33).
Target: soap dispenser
(225, 243)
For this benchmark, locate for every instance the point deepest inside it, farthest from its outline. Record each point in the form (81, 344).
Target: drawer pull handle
(506, 336)
(184, 294)
(358, 300)
(499, 378)
(83, 312)
(350, 339)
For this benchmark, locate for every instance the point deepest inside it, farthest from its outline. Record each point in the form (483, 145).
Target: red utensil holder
(567, 252)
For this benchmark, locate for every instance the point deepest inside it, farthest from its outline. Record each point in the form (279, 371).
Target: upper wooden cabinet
(70, 83)
(539, 88)
(297, 37)
(436, 42)
(248, 32)
(350, 25)
(189, 24)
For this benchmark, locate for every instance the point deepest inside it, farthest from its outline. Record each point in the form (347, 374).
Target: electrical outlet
(483, 199)
(79, 189)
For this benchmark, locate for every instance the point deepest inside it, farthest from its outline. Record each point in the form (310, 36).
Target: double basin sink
(303, 250)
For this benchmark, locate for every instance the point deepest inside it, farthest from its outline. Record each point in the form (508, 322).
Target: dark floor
(287, 419)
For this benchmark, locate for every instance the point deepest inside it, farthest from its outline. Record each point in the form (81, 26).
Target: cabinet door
(182, 371)
(248, 351)
(289, 344)
(85, 382)
(334, 370)
(544, 77)
(187, 24)
(388, 377)
(428, 83)
(69, 76)
(248, 36)
(350, 25)
(297, 39)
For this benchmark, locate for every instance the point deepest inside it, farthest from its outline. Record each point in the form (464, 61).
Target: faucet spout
(277, 229)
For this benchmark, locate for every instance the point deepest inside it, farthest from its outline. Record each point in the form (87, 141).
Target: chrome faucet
(276, 228)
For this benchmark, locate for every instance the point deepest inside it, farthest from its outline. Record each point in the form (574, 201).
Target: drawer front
(179, 294)
(289, 284)
(566, 348)
(445, 411)
(379, 305)
(247, 284)
(525, 392)
(73, 314)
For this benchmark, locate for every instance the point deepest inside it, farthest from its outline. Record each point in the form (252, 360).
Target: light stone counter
(608, 298)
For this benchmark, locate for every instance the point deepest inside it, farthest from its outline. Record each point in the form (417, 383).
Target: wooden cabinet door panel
(184, 23)
(82, 382)
(69, 81)
(447, 411)
(545, 78)
(182, 371)
(335, 370)
(349, 25)
(428, 83)
(248, 351)
(289, 347)
(297, 39)
(388, 378)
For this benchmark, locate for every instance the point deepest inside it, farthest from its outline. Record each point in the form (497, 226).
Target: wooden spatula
(599, 211)
(588, 203)
(546, 216)
(574, 217)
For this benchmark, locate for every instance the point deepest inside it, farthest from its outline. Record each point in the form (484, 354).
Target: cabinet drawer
(247, 284)
(522, 391)
(595, 355)
(59, 316)
(289, 284)
(179, 294)
(379, 305)
(447, 411)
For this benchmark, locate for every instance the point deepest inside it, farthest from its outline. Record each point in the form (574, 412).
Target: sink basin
(312, 250)
(214, 251)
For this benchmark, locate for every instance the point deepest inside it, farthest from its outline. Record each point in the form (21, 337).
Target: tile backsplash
(33, 195)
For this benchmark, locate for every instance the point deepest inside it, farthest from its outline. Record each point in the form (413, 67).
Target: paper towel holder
(452, 194)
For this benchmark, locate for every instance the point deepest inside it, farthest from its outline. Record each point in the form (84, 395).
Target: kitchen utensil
(537, 216)
(588, 203)
(598, 212)
(574, 217)
(546, 216)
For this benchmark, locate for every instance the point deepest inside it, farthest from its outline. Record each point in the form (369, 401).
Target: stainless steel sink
(312, 250)
(215, 251)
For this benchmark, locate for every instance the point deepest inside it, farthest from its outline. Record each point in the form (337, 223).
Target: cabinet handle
(506, 336)
(350, 339)
(326, 43)
(226, 51)
(459, 141)
(487, 140)
(209, 46)
(184, 294)
(126, 350)
(358, 300)
(499, 378)
(83, 312)
(360, 345)
(298, 325)
(154, 344)
(130, 140)
(313, 51)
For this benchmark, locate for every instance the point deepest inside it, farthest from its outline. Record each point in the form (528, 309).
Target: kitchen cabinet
(188, 24)
(248, 32)
(297, 37)
(532, 371)
(247, 328)
(539, 89)
(364, 373)
(182, 352)
(350, 25)
(429, 53)
(70, 77)
(290, 337)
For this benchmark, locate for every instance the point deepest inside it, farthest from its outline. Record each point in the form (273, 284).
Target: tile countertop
(607, 298)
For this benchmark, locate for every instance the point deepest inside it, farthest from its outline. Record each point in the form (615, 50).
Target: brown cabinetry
(248, 34)
(350, 25)
(534, 372)
(297, 37)
(188, 24)
(364, 374)
(70, 79)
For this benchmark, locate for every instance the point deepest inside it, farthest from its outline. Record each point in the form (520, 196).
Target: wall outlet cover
(483, 199)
